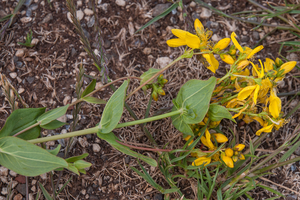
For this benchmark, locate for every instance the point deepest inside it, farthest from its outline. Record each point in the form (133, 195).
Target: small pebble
(34, 41)
(245, 38)
(3, 171)
(83, 143)
(12, 173)
(96, 148)
(25, 20)
(20, 53)
(160, 8)
(99, 85)
(44, 176)
(66, 100)
(121, 3)
(79, 3)
(131, 28)
(205, 14)
(34, 6)
(79, 15)
(215, 38)
(4, 191)
(193, 4)
(147, 51)
(163, 61)
(47, 19)
(88, 12)
(13, 75)
(292, 57)
(18, 197)
(255, 35)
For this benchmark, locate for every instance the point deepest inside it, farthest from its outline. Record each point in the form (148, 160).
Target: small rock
(193, 4)
(173, 20)
(25, 20)
(83, 191)
(4, 191)
(174, 12)
(28, 12)
(14, 184)
(73, 52)
(255, 35)
(156, 24)
(163, 61)
(2, 13)
(261, 35)
(83, 142)
(44, 176)
(34, 41)
(96, 148)
(30, 79)
(99, 1)
(99, 85)
(3, 171)
(215, 38)
(245, 38)
(33, 188)
(18, 197)
(22, 189)
(34, 6)
(127, 159)
(160, 8)
(31, 196)
(21, 90)
(292, 57)
(104, 7)
(27, 3)
(107, 44)
(47, 19)
(158, 197)
(13, 75)
(147, 51)
(79, 15)
(131, 28)
(50, 144)
(19, 64)
(90, 190)
(91, 22)
(205, 14)
(121, 3)
(20, 179)
(66, 100)
(20, 53)
(88, 12)
(79, 3)
(195, 16)
(12, 173)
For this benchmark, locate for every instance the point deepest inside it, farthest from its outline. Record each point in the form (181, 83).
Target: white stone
(79, 3)
(44, 176)
(131, 28)
(215, 38)
(4, 191)
(13, 75)
(12, 173)
(147, 51)
(34, 41)
(88, 12)
(99, 85)
(79, 15)
(192, 4)
(21, 90)
(163, 61)
(96, 148)
(25, 20)
(83, 142)
(20, 53)
(63, 118)
(120, 3)
(66, 100)
(205, 13)
(3, 171)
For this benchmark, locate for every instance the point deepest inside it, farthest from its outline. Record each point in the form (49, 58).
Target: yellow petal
(269, 64)
(201, 161)
(235, 158)
(287, 67)
(239, 147)
(177, 42)
(198, 25)
(244, 93)
(192, 41)
(275, 105)
(213, 62)
(254, 51)
(242, 64)
(262, 72)
(242, 157)
(220, 137)
(227, 58)
(229, 152)
(235, 42)
(256, 93)
(210, 145)
(228, 161)
(179, 33)
(238, 114)
(278, 61)
(266, 129)
(222, 44)
(260, 120)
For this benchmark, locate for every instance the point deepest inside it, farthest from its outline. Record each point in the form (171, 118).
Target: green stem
(26, 129)
(96, 129)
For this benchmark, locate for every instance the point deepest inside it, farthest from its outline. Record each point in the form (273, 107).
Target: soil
(46, 75)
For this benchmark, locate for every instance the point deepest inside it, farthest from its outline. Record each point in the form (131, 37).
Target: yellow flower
(287, 67)
(238, 114)
(229, 152)
(247, 91)
(207, 140)
(227, 58)
(242, 157)
(220, 137)
(187, 138)
(202, 160)
(275, 105)
(266, 129)
(269, 64)
(227, 160)
(246, 50)
(234, 158)
(242, 64)
(222, 44)
(213, 62)
(239, 147)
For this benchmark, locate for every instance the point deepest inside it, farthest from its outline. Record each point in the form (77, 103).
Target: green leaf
(65, 184)
(166, 12)
(289, 152)
(111, 139)
(53, 125)
(90, 88)
(81, 164)
(168, 191)
(113, 110)
(54, 151)
(27, 159)
(270, 190)
(217, 113)
(45, 193)
(193, 97)
(19, 120)
(94, 100)
(76, 158)
(51, 115)
(72, 168)
(148, 74)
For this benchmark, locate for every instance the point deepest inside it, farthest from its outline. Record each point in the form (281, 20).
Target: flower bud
(154, 96)
(220, 138)
(161, 91)
(239, 147)
(234, 158)
(242, 157)
(229, 152)
(227, 160)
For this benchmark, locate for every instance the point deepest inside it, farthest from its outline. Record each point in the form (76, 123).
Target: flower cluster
(248, 90)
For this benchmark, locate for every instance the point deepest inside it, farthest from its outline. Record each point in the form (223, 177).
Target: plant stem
(26, 129)
(155, 75)
(96, 129)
